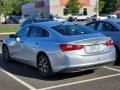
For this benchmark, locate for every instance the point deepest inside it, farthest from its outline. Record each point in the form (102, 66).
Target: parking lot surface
(19, 76)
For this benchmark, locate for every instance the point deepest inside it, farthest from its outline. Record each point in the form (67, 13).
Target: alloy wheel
(44, 66)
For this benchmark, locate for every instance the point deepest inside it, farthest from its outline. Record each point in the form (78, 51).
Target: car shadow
(24, 70)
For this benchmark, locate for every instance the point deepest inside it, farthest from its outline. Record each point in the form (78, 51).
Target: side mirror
(12, 36)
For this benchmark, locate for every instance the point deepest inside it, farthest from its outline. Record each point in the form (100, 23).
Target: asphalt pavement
(19, 76)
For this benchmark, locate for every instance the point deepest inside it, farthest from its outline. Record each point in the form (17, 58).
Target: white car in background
(112, 16)
(77, 17)
(102, 17)
(95, 18)
(59, 19)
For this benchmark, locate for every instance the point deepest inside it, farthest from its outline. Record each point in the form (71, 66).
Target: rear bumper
(86, 67)
(69, 61)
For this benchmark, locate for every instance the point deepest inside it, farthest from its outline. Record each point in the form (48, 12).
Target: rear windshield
(73, 29)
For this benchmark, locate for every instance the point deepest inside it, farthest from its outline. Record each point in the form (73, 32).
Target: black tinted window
(73, 29)
(36, 31)
(107, 27)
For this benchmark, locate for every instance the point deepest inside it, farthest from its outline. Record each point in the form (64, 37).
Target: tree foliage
(101, 5)
(110, 6)
(12, 6)
(118, 4)
(73, 6)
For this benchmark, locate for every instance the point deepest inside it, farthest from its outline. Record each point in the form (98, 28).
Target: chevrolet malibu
(59, 47)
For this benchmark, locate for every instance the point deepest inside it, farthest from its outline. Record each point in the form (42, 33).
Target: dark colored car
(35, 20)
(111, 28)
(12, 20)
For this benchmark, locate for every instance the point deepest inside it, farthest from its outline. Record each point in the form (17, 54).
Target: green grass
(7, 28)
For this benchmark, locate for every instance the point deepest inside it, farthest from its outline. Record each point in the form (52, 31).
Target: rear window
(73, 29)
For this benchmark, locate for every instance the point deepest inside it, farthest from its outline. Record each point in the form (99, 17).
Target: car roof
(53, 23)
(108, 20)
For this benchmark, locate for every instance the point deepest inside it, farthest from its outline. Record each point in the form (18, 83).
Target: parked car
(59, 19)
(112, 16)
(24, 18)
(59, 47)
(70, 19)
(35, 20)
(95, 18)
(77, 17)
(111, 28)
(102, 17)
(12, 20)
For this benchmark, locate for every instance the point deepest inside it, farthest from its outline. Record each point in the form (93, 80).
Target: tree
(73, 6)
(17, 5)
(101, 5)
(10, 6)
(6, 6)
(110, 6)
(118, 4)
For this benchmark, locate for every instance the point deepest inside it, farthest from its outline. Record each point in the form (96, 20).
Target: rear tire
(6, 54)
(44, 66)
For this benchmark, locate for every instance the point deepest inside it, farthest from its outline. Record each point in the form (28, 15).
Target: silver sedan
(59, 47)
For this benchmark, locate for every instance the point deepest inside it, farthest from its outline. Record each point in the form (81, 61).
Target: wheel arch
(42, 52)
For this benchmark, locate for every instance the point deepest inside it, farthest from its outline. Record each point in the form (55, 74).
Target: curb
(7, 33)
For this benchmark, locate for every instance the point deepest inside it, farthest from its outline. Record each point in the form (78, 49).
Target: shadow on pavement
(24, 70)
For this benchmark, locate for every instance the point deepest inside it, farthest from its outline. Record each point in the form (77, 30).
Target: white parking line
(62, 85)
(18, 80)
(113, 69)
(78, 82)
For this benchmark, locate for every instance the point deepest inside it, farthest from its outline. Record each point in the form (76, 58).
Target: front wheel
(44, 66)
(5, 53)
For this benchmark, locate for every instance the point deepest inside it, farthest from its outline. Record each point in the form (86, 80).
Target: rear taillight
(109, 43)
(70, 47)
